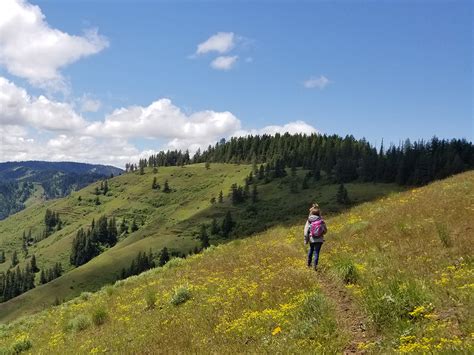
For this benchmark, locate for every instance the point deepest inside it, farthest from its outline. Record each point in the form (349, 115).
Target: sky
(112, 81)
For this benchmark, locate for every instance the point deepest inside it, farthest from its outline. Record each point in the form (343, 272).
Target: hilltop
(27, 183)
(397, 276)
(172, 220)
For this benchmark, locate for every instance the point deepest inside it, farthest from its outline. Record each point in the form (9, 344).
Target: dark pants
(314, 248)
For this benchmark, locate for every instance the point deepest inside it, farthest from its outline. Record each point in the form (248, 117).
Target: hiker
(314, 231)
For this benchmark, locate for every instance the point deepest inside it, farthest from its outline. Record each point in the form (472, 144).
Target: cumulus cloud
(291, 127)
(221, 42)
(31, 49)
(315, 82)
(20, 109)
(40, 128)
(162, 119)
(224, 62)
(88, 104)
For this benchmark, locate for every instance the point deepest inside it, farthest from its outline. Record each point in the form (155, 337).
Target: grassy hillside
(397, 275)
(165, 219)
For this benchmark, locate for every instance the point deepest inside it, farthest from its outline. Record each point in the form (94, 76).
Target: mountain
(26, 183)
(170, 219)
(396, 276)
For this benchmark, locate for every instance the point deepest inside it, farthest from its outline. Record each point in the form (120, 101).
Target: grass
(170, 220)
(415, 294)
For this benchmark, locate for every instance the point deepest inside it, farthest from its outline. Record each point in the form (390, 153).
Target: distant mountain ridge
(24, 183)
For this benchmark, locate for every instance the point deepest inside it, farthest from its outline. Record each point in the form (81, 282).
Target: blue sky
(394, 69)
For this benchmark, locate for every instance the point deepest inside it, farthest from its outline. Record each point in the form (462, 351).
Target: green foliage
(21, 345)
(164, 257)
(99, 315)
(443, 235)
(150, 299)
(79, 323)
(390, 303)
(342, 196)
(180, 295)
(345, 270)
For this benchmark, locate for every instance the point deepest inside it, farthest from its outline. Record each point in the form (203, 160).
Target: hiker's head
(315, 210)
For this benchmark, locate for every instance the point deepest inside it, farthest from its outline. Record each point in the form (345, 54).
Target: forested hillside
(396, 277)
(342, 159)
(25, 183)
(121, 226)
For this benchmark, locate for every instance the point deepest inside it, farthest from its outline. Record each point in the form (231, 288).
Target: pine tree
(342, 196)
(33, 266)
(43, 279)
(214, 227)
(97, 201)
(221, 197)
(227, 225)
(254, 193)
(164, 257)
(204, 237)
(123, 226)
(106, 187)
(166, 187)
(15, 260)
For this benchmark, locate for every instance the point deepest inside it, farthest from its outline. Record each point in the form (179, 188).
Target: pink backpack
(317, 228)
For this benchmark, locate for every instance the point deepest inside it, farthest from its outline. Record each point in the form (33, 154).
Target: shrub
(20, 345)
(109, 290)
(85, 296)
(79, 323)
(150, 298)
(393, 302)
(181, 295)
(345, 269)
(443, 235)
(99, 316)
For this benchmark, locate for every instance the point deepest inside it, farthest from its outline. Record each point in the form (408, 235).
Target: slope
(403, 266)
(165, 219)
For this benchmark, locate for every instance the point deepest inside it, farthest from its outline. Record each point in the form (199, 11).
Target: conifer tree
(33, 265)
(214, 227)
(15, 260)
(227, 225)
(254, 193)
(42, 277)
(204, 237)
(164, 257)
(221, 197)
(342, 196)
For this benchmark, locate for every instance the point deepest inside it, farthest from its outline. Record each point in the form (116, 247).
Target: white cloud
(40, 128)
(315, 82)
(224, 62)
(162, 119)
(19, 108)
(221, 42)
(291, 127)
(88, 104)
(31, 49)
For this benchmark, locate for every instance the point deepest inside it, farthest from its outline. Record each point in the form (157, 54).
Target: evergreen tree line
(88, 244)
(342, 159)
(52, 222)
(216, 229)
(50, 274)
(15, 282)
(144, 262)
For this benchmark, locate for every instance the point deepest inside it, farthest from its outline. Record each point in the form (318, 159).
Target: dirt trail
(348, 314)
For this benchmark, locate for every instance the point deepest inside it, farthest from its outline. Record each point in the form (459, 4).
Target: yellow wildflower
(276, 331)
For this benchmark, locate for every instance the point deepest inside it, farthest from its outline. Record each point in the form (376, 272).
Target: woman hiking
(314, 231)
